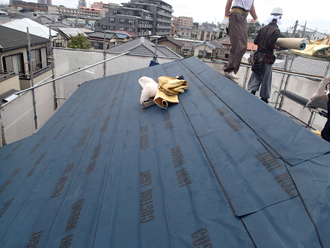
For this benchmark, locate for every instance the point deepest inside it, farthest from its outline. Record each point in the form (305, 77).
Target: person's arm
(228, 6)
(253, 12)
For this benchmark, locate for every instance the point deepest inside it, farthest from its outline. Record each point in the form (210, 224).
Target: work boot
(264, 99)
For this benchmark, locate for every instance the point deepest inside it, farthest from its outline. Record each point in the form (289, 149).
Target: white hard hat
(277, 11)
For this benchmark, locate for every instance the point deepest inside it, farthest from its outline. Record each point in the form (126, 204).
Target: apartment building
(28, 6)
(183, 21)
(143, 18)
(101, 5)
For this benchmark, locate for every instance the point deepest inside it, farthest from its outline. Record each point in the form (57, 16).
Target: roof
(170, 39)
(306, 65)
(216, 44)
(34, 27)
(67, 32)
(130, 34)
(220, 168)
(11, 39)
(209, 29)
(144, 47)
(207, 44)
(100, 35)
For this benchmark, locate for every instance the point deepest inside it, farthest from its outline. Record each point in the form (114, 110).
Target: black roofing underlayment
(219, 169)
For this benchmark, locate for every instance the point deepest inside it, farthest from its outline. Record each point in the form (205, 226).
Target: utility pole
(295, 28)
(303, 34)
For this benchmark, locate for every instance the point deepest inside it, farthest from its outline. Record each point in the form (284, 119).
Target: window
(130, 21)
(104, 27)
(115, 11)
(121, 28)
(122, 20)
(14, 63)
(112, 27)
(58, 44)
(36, 59)
(112, 19)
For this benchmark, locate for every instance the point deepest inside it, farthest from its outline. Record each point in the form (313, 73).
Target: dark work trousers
(325, 133)
(238, 38)
(263, 79)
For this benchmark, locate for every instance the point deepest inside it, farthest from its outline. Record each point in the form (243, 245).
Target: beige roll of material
(291, 43)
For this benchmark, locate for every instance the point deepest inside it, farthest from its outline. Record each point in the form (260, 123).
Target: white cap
(277, 11)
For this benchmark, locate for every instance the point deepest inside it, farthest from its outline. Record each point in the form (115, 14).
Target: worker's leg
(254, 82)
(238, 39)
(266, 82)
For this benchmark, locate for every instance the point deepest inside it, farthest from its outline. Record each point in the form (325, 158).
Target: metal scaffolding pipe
(71, 73)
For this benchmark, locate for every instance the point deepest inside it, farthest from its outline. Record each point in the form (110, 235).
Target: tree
(196, 24)
(252, 30)
(79, 41)
(220, 35)
(282, 35)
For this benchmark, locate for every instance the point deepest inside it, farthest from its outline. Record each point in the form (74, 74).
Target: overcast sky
(314, 12)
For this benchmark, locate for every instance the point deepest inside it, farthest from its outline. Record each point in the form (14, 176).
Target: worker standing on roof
(264, 58)
(235, 20)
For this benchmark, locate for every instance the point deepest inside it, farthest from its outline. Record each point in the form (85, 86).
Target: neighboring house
(97, 40)
(207, 33)
(145, 48)
(64, 36)
(219, 49)
(74, 22)
(207, 47)
(144, 18)
(34, 27)
(171, 43)
(14, 53)
(188, 46)
(184, 32)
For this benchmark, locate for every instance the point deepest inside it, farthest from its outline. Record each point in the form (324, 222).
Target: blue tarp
(219, 169)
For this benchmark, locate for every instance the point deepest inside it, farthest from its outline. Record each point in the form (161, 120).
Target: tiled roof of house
(144, 47)
(12, 39)
(100, 35)
(171, 39)
(34, 27)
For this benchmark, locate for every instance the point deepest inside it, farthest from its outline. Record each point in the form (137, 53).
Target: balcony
(4, 75)
(164, 14)
(143, 33)
(163, 20)
(164, 27)
(145, 25)
(35, 73)
(163, 33)
(166, 8)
